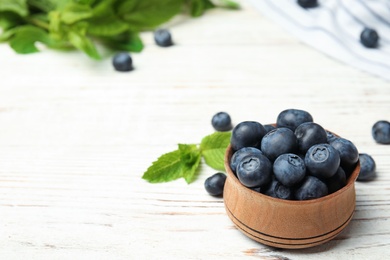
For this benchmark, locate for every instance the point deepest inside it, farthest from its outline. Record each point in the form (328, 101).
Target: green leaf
(213, 148)
(82, 42)
(74, 12)
(9, 20)
(198, 7)
(124, 42)
(145, 15)
(168, 167)
(43, 5)
(23, 39)
(190, 157)
(227, 4)
(15, 6)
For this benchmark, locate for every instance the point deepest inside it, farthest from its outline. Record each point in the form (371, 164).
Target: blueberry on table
(309, 134)
(247, 134)
(307, 3)
(292, 118)
(369, 38)
(221, 121)
(311, 188)
(277, 190)
(278, 141)
(122, 61)
(163, 38)
(349, 154)
(241, 153)
(367, 168)
(214, 184)
(289, 169)
(254, 171)
(381, 132)
(337, 181)
(322, 160)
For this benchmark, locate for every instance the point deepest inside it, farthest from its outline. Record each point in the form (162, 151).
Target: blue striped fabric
(334, 28)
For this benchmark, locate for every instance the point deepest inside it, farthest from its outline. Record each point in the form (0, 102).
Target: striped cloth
(334, 28)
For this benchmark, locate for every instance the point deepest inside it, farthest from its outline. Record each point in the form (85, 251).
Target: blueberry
(311, 188)
(277, 190)
(289, 169)
(349, 154)
(307, 3)
(367, 168)
(381, 132)
(247, 134)
(278, 141)
(268, 128)
(309, 134)
(221, 121)
(254, 171)
(337, 181)
(163, 38)
(122, 62)
(215, 183)
(369, 38)
(241, 153)
(330, 136)
(322, 160)
(292, 118)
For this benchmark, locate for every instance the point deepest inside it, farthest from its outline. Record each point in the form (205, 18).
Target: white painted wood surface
(76, 137)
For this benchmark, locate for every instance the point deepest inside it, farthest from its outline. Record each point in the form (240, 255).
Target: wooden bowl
(286, 223)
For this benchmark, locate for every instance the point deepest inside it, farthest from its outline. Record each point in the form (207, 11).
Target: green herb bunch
(69, 24)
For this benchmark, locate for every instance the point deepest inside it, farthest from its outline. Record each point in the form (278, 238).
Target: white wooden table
(76, 137)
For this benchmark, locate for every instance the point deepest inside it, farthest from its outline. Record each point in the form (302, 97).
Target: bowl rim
(350, 181)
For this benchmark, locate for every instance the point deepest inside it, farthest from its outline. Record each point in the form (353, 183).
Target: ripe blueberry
(268, 128)
(309, 134)
(254, 171)
(311, 188)
(330, 136)
(307, 3)
(337, 181)
(292, 118)
(381, 132)
(221, 121)
(247, 134)
(278, 141)
(349, 154)
(122, 62)
(163, 38)
(369, 38)
(367, 168)
(322, 160)
(241, 153)
(276, 189)
(289, 169)
(214, 184)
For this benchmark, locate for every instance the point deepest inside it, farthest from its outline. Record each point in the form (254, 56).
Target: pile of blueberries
(295, 159)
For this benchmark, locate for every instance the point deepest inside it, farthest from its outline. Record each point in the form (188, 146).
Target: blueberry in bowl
(296, 206)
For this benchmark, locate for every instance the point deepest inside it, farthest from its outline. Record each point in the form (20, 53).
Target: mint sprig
(185, 161)
(80, 24)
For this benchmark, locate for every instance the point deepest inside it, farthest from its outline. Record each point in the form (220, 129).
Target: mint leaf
(22, 39)
(213, 148)
(15, 6)
(227, 4)
(9, 20)
(190, 157)
(74, 12)
(125, 42)
(77, 36)
(145, 15)
(198, 7)
(168, 167)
